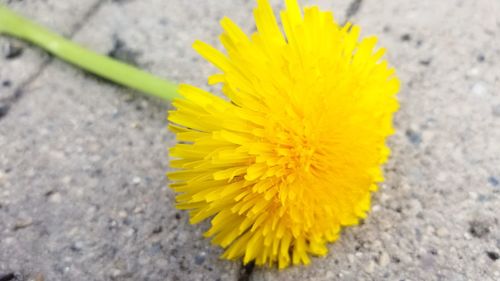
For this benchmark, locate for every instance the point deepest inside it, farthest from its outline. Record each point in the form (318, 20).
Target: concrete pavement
(82, 188)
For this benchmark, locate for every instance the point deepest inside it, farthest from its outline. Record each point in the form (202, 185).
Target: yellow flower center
(295, 153)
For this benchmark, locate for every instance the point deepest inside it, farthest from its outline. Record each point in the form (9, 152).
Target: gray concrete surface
(82, 188)
(64, 17)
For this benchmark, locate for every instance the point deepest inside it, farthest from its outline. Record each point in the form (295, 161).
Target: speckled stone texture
(82, 162)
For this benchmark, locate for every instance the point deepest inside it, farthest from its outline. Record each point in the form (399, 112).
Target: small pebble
(39, 277)
(473, 72)
(13, 50)
(115, 272)
(478, 229)
(77, 246)
(493, 181)
(66, 180)
(414, 136)
(130, 232)
(122, 214)
(427, 136)
(156, 248)
(483, 198)
(55, 197)
(384, 197)
(136, 125)
(442, 177)
(377, 244)
(384, 259)
(157, 229)
(8, 240)
(497, 265)
(370, 267)
(136, 180)
(428, 261)
(473, 195)
(429, 230)
(95, 158)
(442, 232)
(385, 225)
(496, 110)
(199, 259)
(403, 258)
(138, 209)
(415, 205)
(112, 224)
(478, 89)
(23, 223)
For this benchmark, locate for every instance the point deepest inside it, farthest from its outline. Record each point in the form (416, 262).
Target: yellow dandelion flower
(294, 152)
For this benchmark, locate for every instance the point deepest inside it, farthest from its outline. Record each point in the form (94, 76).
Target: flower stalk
(17, 26)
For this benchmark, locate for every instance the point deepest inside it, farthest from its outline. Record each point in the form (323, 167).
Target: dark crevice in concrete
(406, 37)
(13, 50)
(493, 255)
(91, 12)
(4, 109)
(121, 1)
(19, 91)
(121, 52)
(246, 271)
(352, 10)
(7, 277)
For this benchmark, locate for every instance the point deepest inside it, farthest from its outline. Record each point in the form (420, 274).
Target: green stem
(118, 72)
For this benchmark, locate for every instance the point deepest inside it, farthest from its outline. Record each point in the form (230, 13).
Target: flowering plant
(293, 151)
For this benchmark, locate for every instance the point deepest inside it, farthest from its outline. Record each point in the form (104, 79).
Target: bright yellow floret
(295, 150)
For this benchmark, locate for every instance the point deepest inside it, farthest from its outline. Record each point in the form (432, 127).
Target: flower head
(295, 149)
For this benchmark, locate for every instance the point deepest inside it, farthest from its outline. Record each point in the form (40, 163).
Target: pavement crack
(246, 271)
(88, 15)
(352, 10)
(7, 103)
